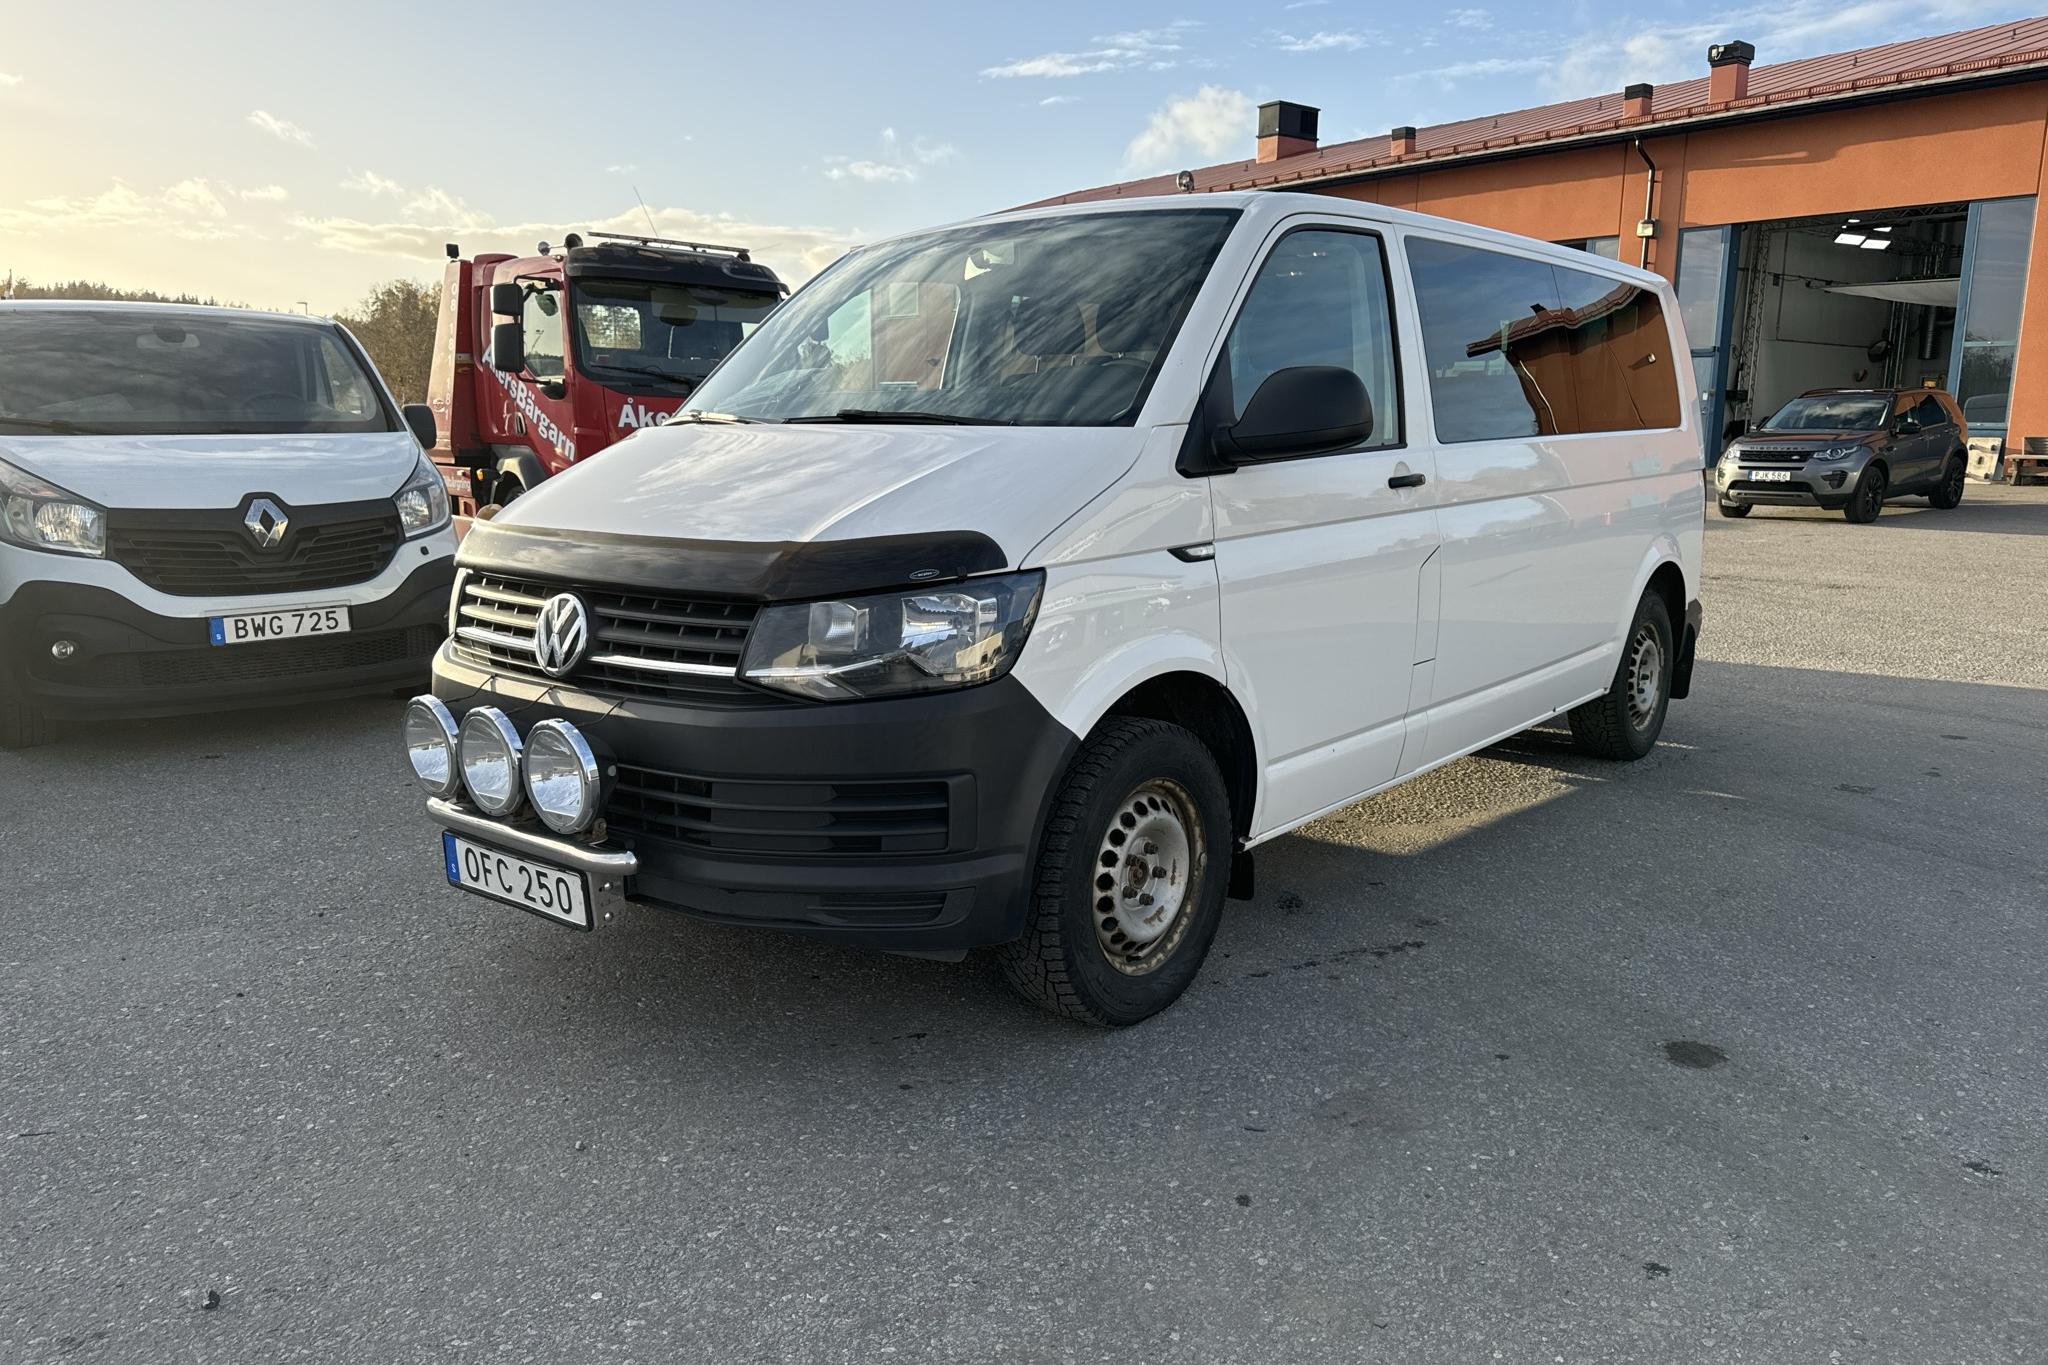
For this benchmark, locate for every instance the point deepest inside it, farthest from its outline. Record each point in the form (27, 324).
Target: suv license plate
(1771, 475)
(248, 627)
(550, 892)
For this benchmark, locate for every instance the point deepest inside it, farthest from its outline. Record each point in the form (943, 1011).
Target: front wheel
(1131, 873)
(1624, 722)
(1868, 499)
(1949, 494)
(23, 724)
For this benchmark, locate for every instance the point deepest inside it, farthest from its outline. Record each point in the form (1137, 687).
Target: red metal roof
(1972, 53)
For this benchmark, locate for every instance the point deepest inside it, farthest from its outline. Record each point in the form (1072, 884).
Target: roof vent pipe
(1401, 142)
(1635, 101)
(1286, 129)
(1728, 71)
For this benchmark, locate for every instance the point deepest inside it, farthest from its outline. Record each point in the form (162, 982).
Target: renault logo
(266, 523)
(561, 634)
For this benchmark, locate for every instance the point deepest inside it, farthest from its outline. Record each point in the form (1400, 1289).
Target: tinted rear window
(150, 373)
(1521, 348)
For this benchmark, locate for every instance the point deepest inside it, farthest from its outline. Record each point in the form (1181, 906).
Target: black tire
(1075, 957)
(507, 491)
(1868, 500)
(1948, 495)
(1624, 722)
(1733, 509)
(23, 724)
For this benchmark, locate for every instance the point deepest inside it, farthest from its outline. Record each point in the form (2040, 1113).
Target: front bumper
(130, 661)
(1827, 484)
(909, 824)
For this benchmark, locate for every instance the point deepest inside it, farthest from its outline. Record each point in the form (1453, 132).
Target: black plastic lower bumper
(127, 661)
(909, 824)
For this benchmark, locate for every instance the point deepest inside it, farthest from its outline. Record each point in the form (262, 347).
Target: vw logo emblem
(561, 634)
(266, 523)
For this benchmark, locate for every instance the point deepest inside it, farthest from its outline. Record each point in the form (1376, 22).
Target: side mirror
(508, 348)
(507, 298)
(1907, 424)
(1303, 410)
(420, 418)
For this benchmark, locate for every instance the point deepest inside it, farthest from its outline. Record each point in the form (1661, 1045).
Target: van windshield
(633, 331)
(1832, 412)
(150, 372)
(1049, 322)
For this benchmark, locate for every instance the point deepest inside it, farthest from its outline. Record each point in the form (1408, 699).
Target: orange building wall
(1979, 144)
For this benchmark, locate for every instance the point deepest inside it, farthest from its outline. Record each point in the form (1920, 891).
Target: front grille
(222, 560)
(1772, 455)
(780, 818)
(643, 644)
(274, 659)
(1798, 488)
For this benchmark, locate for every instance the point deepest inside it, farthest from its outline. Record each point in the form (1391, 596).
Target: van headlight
(430, 740)
(423, 502)
(490, 751)
(38, 515)
(562, 778)
(890, 644)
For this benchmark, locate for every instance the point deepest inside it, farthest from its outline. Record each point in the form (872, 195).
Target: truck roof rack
(737, 252)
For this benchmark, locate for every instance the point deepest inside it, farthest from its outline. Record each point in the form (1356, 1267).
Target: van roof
(1272, 205)
(192, 310)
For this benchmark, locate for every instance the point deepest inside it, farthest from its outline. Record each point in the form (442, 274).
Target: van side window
(1517, 348)
(1320, 299)
(542, 318)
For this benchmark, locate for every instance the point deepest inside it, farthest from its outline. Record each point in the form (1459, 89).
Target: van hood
(218, 471)
(763, 483)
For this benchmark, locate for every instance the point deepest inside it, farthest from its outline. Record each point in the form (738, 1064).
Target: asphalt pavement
(1739, 1053)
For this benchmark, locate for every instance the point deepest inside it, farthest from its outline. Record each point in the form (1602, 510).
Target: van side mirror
(507, 298)
(1302, 410)
(508, 348)
(420, 418)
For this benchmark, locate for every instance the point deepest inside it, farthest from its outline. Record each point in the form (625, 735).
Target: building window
(1607, 248)
(2000, 232)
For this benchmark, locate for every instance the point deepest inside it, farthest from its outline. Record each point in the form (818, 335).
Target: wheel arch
(1204, 706)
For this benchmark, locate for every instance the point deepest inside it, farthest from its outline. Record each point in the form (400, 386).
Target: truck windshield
(631, 332)
(1832, 412)
(1058, 321)
(163, 372)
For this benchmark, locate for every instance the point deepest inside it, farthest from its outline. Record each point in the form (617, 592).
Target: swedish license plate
(248, 627)
(551, 892)
(1771, 475)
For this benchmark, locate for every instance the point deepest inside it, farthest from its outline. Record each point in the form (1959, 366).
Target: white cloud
(1150, 49)
(282, 129)
(898, 163)
(1480, 66)
(874, 172)
(795, 253)
(1050, 100)
(265, 194)
(7, 82)
(1320, 41)
(375, 185)
(626, 169)
(190, 210)
(1211, 121)
(1477, 19)
(1305, 4)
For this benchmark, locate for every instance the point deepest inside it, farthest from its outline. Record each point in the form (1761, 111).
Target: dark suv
(1848, 448)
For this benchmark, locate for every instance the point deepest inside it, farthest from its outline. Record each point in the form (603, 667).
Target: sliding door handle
(1407, 481)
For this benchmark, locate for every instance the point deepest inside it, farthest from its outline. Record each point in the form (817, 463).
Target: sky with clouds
(276, 155)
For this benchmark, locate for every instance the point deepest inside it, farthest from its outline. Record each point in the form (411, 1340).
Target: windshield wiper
(54, 424)
(649, 372)
(699, 415)
(906, 416)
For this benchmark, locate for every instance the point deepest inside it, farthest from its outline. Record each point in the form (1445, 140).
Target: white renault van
(203, 508)
(1016, 580)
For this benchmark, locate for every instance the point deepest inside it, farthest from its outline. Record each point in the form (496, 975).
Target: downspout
(1649, 193)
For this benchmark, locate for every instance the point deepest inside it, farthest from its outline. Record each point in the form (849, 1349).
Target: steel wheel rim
(1645, 676)
(1148, 870)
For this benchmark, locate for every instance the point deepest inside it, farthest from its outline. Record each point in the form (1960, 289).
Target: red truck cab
(543, 360)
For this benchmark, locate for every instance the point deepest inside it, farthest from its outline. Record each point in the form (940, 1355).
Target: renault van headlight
(38, 515)
(423, 502)
(923, 640)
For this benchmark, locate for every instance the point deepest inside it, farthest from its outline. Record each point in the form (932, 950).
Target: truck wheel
(1733, 509)
(1625, 721)
(508, 488)
(1949, 494)
(23, 724)
(1131, 873)
(1868, 499)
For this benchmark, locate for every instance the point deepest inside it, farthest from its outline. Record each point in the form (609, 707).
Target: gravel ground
(1732, 1054)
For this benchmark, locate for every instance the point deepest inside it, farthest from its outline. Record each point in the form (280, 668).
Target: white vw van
(204, 508)
(1016, 580)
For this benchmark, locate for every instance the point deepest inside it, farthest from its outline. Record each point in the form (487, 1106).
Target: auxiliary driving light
(562, 778)
(430, 744)
(489, 749)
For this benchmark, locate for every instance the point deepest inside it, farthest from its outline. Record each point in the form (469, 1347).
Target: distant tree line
(394, 321)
